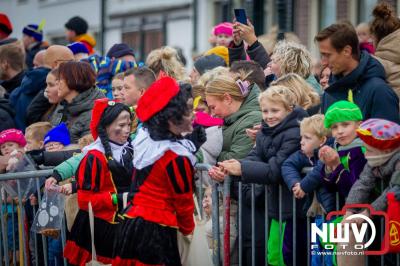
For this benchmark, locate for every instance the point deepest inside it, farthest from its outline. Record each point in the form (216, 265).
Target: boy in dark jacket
(313, 136)
(345, 161)
(278, 139)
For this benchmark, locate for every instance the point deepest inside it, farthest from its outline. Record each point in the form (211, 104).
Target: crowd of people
(124, 137)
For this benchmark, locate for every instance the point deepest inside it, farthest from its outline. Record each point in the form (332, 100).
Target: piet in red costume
(103, 176)
(162, 179)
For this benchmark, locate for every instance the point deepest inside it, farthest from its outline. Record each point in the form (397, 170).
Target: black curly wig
(158, 126)
(109, 115)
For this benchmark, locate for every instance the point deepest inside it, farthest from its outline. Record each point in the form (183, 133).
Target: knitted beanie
(223, 28)
(59, 133)
(78, 48)
(342, 111)
(221, 51)
(5, 24)
(119, 50)
(34, 31)
(208, 62)
(12, 135)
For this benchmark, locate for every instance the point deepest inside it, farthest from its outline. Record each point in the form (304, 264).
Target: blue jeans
(55, 252)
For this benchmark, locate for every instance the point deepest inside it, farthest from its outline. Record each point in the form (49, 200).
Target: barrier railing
(221, 253)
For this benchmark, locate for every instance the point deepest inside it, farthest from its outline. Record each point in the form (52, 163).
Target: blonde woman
(305, 96)
(291, 57)
(164, 62)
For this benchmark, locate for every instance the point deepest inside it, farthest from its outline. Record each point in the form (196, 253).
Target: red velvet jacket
(164, 193)
(95, 184)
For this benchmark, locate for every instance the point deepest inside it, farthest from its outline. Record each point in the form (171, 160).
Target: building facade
(187, 24)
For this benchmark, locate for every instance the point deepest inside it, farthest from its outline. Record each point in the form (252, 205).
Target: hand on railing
(50, 182)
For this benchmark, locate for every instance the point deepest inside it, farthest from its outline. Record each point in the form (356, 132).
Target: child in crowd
(210, 150)
(313, 136)
(324, 77)
(365, 38)
(34, 135)
(207, 212)
(223, 33)
(57, 138)
(381, 139)
(279, 138)
(12, 143)
(344, 161)
(117, 85)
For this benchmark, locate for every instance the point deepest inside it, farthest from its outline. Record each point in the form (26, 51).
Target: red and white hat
(380, 134)
(156, 97)
(98, 109)
(12, 135)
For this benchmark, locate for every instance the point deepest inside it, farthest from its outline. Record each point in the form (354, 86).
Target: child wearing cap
(381, 139)
(344, 161)
(223, 34)
(12, 143)
(57, 138)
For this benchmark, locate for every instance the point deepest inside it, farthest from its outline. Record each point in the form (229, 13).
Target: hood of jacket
(250, 104)
(367, 68)
(387, 48)
(5, 105)
(83, 102)
(33, 82)
(290, 121)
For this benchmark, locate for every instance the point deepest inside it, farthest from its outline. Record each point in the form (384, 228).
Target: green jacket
(68, 168)
(237, 144)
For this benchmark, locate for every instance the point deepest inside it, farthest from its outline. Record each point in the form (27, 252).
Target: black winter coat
(6, 115)
(256, 53)
(370, 90)
(263, 166)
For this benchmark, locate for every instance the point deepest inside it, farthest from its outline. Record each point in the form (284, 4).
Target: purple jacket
(346, 174)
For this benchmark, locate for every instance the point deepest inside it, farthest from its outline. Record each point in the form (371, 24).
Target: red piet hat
(98, 109)
(5, 24)
(156, 98)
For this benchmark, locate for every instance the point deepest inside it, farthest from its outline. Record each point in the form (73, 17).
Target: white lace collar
(147, 151)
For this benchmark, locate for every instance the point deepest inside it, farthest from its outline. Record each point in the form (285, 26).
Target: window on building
(327, 13)
(365, 8)
(143, 42)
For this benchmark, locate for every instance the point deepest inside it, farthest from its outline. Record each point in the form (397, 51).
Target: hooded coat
(20, 98)
(6, 115)
(388, 55)
(236, 143)
(366, 86)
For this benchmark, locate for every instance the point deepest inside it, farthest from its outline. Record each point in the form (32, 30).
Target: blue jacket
(291, 172)
(369, 88)
(20, 98)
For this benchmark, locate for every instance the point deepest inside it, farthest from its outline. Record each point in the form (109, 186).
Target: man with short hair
(136, 82)
(12, 59)
(356, 76)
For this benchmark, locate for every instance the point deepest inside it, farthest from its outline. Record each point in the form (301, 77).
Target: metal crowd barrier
(221, 254)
